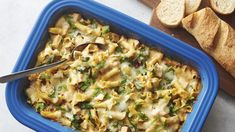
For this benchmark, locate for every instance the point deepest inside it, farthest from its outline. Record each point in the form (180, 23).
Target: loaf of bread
(223, 6)
(214, 35)
(170, 12)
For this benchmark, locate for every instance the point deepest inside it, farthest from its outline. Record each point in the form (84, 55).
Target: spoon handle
(27, 72)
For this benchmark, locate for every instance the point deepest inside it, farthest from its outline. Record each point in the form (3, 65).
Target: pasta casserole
(127, 86)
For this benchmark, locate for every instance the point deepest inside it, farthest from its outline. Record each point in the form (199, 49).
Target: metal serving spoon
(25, 73)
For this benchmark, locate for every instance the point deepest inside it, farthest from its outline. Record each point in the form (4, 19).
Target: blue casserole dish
(119, 23)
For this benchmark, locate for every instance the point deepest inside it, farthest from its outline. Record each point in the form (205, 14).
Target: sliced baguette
(191, 6)
(223, 6)
(214, 35)
(224, 47)
(170, 12)
(203, 25)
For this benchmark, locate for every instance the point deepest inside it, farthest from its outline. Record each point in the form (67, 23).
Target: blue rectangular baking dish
(122, 24)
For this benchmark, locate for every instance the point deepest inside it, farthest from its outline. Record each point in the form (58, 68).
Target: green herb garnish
(140, 58)
(44, 76)
(101, 64)
(124, 79)
(56, 90)
(105, 29)
(94, 24)
(138, 106)
(76, 122)
(83, 69)
(84, 85)
(190, 101)
(86, 105)
(50, 59)
(53, 94)
(62, 87)
(124, 59)
(119, 49)
(97, 92)
(172, 110)
(85, 59)
(143, 116)
(115, 124)
(169, 74)
(40, 106)
(69, 19)
(138, 85)
(60, 108)
(107, 96)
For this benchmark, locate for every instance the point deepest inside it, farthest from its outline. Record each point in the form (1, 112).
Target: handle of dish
(25, 73)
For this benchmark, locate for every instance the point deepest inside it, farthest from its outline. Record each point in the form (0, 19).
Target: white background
(17, 18)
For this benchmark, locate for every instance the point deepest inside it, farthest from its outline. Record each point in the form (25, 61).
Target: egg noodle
(126, 87)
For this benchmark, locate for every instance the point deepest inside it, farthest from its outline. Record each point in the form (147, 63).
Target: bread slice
(171, 12)
(223, 6)
(191, 6)
(214, 35)
(203, 25)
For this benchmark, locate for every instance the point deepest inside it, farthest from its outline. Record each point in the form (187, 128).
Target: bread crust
(225, 47)
(204, 25)
(171, 12)
(191, 6)
(224, 7)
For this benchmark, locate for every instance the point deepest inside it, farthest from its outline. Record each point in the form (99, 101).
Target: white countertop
(17, 20)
